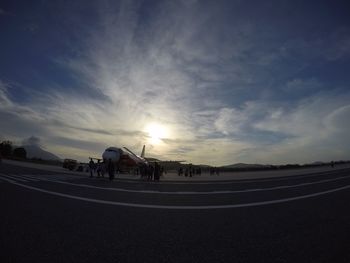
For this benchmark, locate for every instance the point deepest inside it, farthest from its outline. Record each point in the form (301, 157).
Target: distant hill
(34, 151)
(316, 163)
(245, 166)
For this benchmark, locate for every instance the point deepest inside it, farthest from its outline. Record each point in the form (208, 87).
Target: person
(143, 170)
(150, 171)
(156, 171)
(111, 169)
(161, 170)
(181, 171)
(91, 167)
(332, 164)
(98, 170)
(103, 168)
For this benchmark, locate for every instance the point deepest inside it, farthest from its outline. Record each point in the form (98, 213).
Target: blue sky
(213, 82)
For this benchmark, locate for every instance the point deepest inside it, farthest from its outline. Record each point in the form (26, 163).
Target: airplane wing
(138, 157)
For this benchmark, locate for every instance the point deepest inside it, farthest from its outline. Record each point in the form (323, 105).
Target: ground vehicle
(70, 164)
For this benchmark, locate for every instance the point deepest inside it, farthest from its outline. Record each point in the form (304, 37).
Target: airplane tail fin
(143, 152)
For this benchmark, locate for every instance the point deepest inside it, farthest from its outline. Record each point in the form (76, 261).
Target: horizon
(29, 143)
(211, 83)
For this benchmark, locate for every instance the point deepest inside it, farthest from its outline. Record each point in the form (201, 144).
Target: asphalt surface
(55, 217)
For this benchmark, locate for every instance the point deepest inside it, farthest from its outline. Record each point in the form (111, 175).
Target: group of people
(151, 172)
(102, 167)
(189, 171)
(214, 171)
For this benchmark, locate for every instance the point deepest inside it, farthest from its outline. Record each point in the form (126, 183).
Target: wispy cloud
(225, 90)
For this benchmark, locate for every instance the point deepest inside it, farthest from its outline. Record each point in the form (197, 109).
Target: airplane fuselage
(122, 158)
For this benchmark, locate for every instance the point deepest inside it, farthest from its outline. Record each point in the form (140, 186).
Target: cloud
(330, 47)
(230, 120)
(315, 129)
(5, 102)
(224, 89)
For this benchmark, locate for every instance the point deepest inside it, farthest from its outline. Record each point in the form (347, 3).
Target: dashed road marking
(26, 177)
(13, 178)
(16, 176)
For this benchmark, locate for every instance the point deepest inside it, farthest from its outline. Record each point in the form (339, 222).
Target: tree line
(8, 150)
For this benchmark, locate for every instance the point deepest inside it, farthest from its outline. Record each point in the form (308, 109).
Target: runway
(63, 217)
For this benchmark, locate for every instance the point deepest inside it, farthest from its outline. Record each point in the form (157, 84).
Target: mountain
(34, 151)
(245, 165)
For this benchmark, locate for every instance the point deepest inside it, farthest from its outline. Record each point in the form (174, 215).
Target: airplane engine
(112, 153)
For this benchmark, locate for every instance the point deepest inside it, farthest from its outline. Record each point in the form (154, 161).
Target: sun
(156, 132)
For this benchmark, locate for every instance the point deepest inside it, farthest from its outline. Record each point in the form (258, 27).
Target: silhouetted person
(98, 169)
(103, 168)
(91, 167)
(111, 169)
(150, 172)
(143, 170)
(156, 171)
(332, 164)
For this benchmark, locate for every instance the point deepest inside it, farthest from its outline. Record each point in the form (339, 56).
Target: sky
(209, 82)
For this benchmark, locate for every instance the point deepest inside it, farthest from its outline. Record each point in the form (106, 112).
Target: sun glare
(156, 133)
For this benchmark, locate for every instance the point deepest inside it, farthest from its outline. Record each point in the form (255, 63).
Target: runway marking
(7, 180)
(23, 177)
(30, 177)
(199, 192)
(54, 177)
(239, 181)
(178, 207)
(13, 178)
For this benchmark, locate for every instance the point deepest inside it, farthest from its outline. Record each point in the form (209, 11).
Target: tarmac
(55, 216)
(173, 176)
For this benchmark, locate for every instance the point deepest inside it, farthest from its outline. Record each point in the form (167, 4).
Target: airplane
(124, 158)
(128, 161)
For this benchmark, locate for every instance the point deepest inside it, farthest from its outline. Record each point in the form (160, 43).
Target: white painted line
(39, 177)
(11, 177)
(45, 177)
(7, 180)
(30, 177)
(200, 193)
(24, 177)
(179, 207)
(232, 181)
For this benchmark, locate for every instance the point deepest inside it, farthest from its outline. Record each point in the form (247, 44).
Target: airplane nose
(113, 155)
